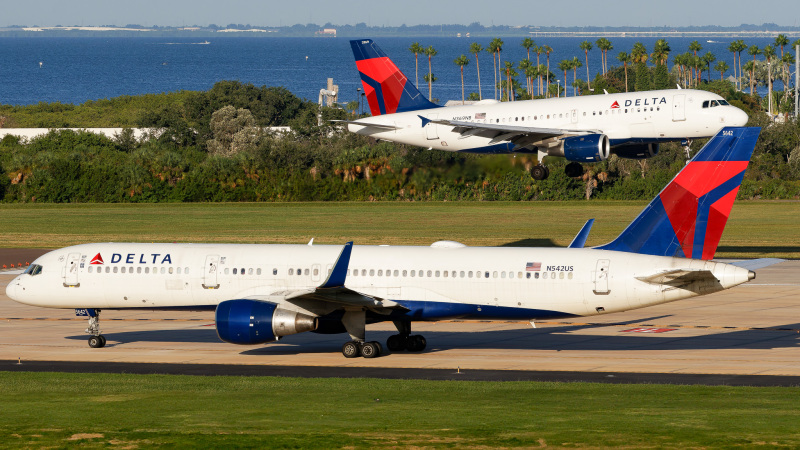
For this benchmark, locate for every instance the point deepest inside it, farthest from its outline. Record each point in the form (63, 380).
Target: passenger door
(210, 272)
(678, 107)
(70, 271)
(601, 277)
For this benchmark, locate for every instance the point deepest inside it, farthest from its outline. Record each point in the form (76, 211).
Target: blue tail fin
(388, 91)
(687, 218)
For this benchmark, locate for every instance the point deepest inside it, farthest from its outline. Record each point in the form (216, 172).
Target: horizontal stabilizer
(580, 238)
(678, 277)
(366, 124)
(755, 264)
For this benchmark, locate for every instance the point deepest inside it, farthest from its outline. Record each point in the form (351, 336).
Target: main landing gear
(573, 170)
(540, 172)
(96, 340)
(354, 322)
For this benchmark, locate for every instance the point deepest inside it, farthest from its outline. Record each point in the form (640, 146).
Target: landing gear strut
(540, 172)
(96, 340)
(354, 322)
(404, 340)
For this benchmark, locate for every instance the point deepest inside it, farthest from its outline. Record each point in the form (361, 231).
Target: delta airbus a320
(581, 129)
(263, 292)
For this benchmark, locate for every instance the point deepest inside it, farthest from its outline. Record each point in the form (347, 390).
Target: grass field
(128, 411)
(755, 229)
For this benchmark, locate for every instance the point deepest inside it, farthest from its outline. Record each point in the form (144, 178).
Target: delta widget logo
(97, 260)
(615, 105)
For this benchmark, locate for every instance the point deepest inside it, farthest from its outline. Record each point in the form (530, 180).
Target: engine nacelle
(255, 322)
(637, 151)
(587, 148)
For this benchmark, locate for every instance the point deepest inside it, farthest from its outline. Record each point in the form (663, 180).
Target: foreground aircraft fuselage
(581, 129)
(262, 292)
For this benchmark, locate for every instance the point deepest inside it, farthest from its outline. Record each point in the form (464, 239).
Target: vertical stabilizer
(387, 89)
(687, 218)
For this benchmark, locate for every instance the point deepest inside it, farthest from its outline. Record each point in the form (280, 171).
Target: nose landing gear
(96, 340)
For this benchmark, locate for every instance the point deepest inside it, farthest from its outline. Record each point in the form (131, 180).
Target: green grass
(756, 228)
(95, 410)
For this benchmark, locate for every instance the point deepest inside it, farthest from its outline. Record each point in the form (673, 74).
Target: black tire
(573, 170)
(539, 172)
(95, 342)
(421, 343)
(396, 343)
(102, 341)
(351, 349)
(370, 350)
(416, 343)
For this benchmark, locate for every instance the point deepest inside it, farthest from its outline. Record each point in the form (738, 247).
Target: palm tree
(462, 61)
(538, 50)
(695, 47)
(586, 46)
(509, 83)
(753, 51)
(546, 49)
(523, 66)
(532, 71)
(430, 52)
(721, 67)
(750, 68)
(732, 47)
(494, 48)
(661, 52)
(528, 43)
(625, 58)
(707, 60)
(416, 49)
(740, 47)
(565, 65)
(475, 49)
(499, 64)
(780, 41)
(604, 45)
(769, 53)
(576, 64)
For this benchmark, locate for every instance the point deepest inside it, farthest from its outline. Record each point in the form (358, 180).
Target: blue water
(74, 70)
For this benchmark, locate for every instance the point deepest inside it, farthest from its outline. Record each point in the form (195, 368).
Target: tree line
(214, 146)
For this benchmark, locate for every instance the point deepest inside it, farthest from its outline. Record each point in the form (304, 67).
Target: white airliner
(581, 129)
(263, 292)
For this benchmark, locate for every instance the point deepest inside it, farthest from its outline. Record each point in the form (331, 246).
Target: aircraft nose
(738, 118)
(11, 289)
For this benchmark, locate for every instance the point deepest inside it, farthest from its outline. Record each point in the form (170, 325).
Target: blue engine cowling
(587, 148)
(637, 151)
(256, 322)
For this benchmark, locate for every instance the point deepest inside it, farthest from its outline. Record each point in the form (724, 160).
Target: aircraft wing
(518, 135)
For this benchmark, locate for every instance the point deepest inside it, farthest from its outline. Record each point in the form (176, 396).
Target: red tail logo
(97, 259)
(615, 105)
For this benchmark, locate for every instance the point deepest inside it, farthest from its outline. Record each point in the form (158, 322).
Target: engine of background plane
(587, 148)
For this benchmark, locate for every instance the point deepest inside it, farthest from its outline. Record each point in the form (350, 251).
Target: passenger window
(502, 274)
(444, 274)
(299, 272)
(528, 275)
(470, 274)
(122, 270)
(412, 273)
(139, 270)
(404, 273)
(90, 269)
(108, 269)
(227, 271)
(291, 271)
(561, 275)
(363, 272)
(305, 272)
(461, 274)
(146, 270)
(316, 271)
(274, 271)
(536, 275)
(258, 271)
(569, 275)
(429, 274)
(163, 269)
(494, 274)
(170, 270)
(519, 274)
(372, 272)
(487, 274)
(380, 272)
(249, 271)
(437, 274)
(235, 271)
(544, 275)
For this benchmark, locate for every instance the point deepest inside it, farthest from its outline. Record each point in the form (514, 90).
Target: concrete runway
(746, 335)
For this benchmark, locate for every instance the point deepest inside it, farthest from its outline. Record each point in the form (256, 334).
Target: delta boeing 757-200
(261, 293)
(581, 129)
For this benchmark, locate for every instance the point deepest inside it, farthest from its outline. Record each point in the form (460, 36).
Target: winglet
(339, 271)
(580, 238)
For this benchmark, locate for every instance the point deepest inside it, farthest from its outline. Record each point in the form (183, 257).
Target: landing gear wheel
(573, 170)
(396, 343)
(540, 172)
(371, 350)
(416, 343)
(351, 349)
(103, 339)
(96, 341)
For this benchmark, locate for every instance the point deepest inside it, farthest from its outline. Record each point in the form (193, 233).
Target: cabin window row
(145, 270)
(457, 274)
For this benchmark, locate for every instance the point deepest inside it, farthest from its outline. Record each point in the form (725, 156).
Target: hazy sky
(395, 13)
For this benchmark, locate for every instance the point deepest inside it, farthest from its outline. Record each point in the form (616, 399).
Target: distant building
(327, 32)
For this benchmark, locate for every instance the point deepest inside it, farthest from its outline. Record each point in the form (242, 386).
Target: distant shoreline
(358, 31)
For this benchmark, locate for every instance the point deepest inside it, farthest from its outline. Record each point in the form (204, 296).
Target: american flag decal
(479, 116)
(533, 266)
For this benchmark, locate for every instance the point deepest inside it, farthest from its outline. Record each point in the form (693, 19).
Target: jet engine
(637, 151)
(587, 148)
(256, 322)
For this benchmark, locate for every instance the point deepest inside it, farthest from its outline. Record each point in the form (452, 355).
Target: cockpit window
(713, 103)
(33, 270)
(724, 102)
